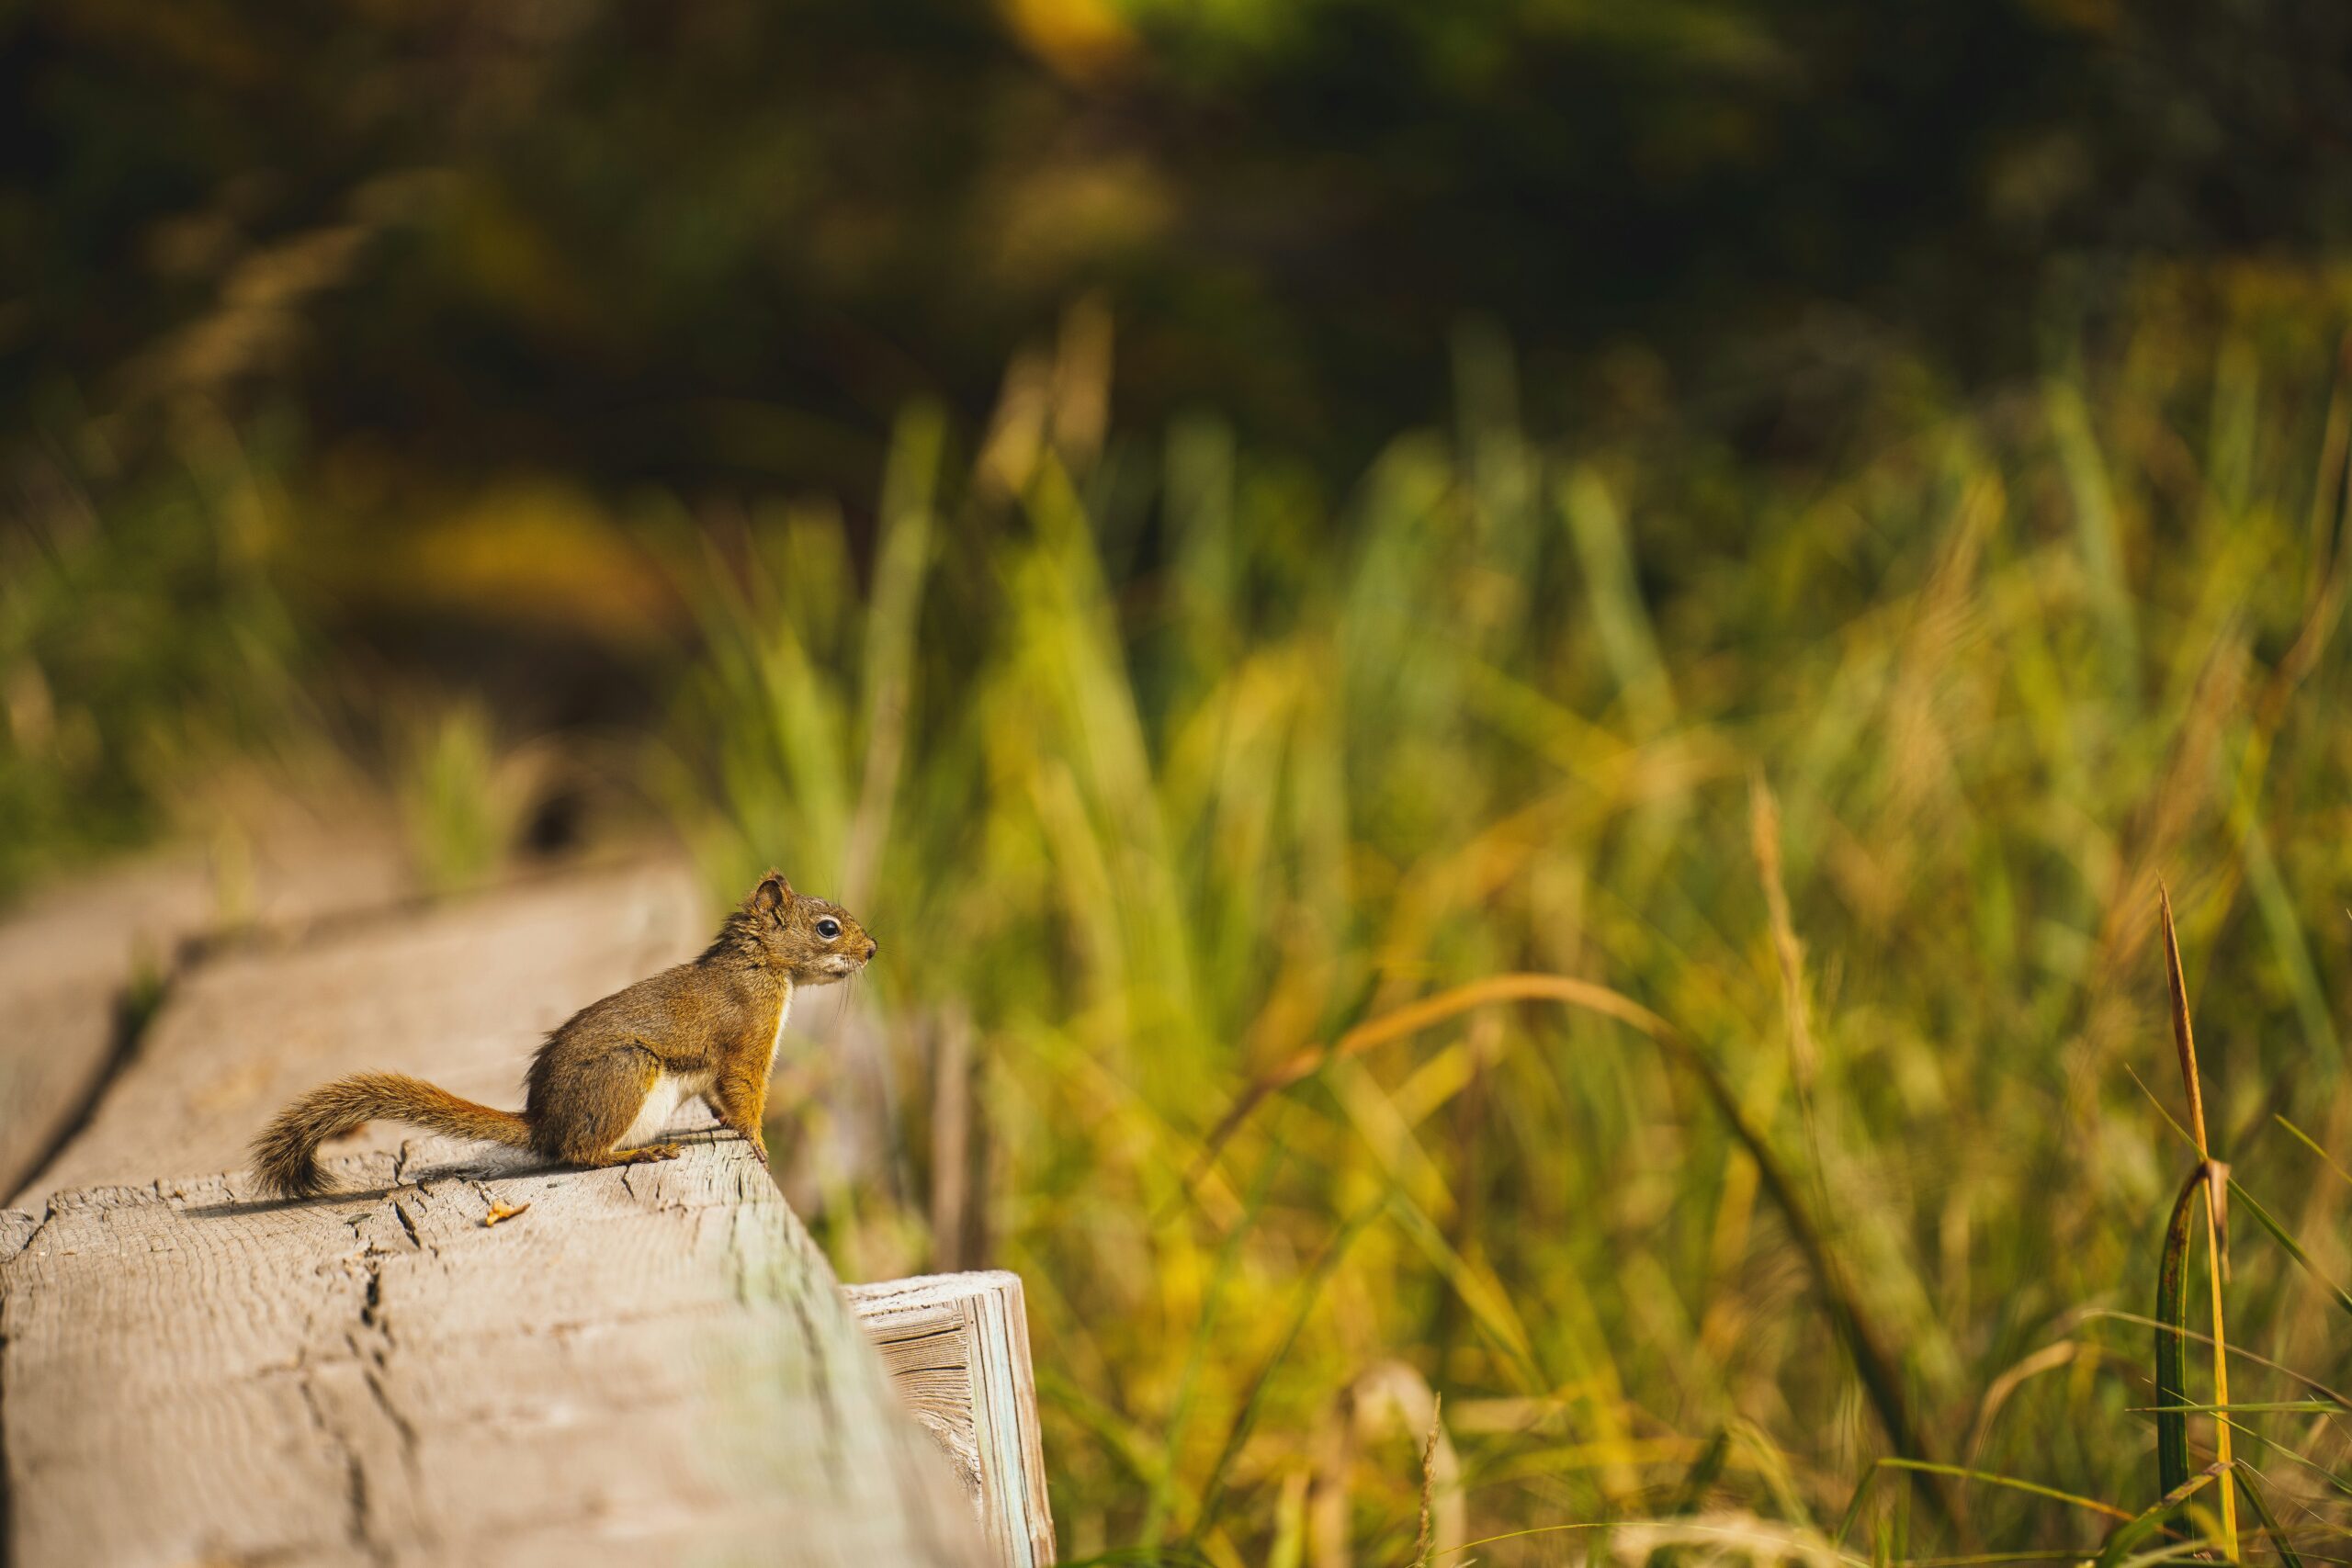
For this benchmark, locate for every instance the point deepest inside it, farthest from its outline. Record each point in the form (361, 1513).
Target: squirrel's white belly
(672, 1089)
(662, 1101)
(783, 1011)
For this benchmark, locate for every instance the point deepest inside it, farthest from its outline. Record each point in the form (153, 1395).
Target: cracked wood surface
(460, 992)
(646, 1364)
(649, 1363)
(70, 956)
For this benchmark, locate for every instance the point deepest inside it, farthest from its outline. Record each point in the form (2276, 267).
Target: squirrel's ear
(773, 893)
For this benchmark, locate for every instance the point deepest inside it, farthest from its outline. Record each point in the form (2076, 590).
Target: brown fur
(714, 1018)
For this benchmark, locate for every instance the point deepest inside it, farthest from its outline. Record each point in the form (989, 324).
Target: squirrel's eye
(828, 928)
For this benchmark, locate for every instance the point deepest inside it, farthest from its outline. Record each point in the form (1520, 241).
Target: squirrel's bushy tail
(286, 1156)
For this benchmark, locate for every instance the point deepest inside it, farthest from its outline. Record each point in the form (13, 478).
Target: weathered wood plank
(70, 955)
(957, 1348)
(647, 1363)
(461, 994)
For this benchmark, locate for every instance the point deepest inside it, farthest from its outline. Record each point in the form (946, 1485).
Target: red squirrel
(611, 1077)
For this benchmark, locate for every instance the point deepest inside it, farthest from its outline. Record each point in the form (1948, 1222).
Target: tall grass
(143, 639)
(1849, 786)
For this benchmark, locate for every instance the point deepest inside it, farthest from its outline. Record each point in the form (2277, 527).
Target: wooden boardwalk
(70, 959)
(650, 1364)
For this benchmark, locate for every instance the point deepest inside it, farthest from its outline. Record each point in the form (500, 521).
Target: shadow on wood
(647, 1364)
(650, 1363)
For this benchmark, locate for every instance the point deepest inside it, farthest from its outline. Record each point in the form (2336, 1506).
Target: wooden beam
(460, 992)
(647, 1364)
(958, 1348)
(642, 1364)
(74, 958)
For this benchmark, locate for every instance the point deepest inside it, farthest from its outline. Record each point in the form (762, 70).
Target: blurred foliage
(726, 238)
(461, 801)
(1160, 768)
(1889, 488)
(143, 639)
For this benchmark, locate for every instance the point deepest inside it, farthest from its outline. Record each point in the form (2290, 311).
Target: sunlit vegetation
(1580, 991)
(1692, 929)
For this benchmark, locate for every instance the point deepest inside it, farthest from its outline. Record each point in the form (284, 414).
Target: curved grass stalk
(1881, 1380)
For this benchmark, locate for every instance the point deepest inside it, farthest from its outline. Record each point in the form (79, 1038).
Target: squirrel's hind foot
(646, 1155)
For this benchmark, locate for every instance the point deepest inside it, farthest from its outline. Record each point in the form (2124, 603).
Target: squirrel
(611, 1077)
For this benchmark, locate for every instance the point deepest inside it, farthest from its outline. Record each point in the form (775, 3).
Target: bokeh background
(1212, 523)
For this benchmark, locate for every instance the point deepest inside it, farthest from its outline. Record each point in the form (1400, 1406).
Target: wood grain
(460, 992)
(70, 957)
(958, 1348)
(648, 1364)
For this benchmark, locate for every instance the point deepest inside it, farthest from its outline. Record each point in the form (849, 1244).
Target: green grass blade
(1862, 1339)
(2126, 1536)
(1179, 1412)
(1619, 615)
(1962, 1472)
(1854, 1504)
(2277, 908)
(2098, 531)
(901, 562)
(2318, 1472)
(2311, 1143)
(2171, 1349)
(2269, 1407)
(2342, 1402)
(1310, 1290)
(1702, 1475)
(2287, 1243)
(2254, 1501)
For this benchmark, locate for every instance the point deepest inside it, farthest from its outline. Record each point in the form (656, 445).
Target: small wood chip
(502, 1212)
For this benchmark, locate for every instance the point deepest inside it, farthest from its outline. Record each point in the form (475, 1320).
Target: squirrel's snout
(870, 950)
